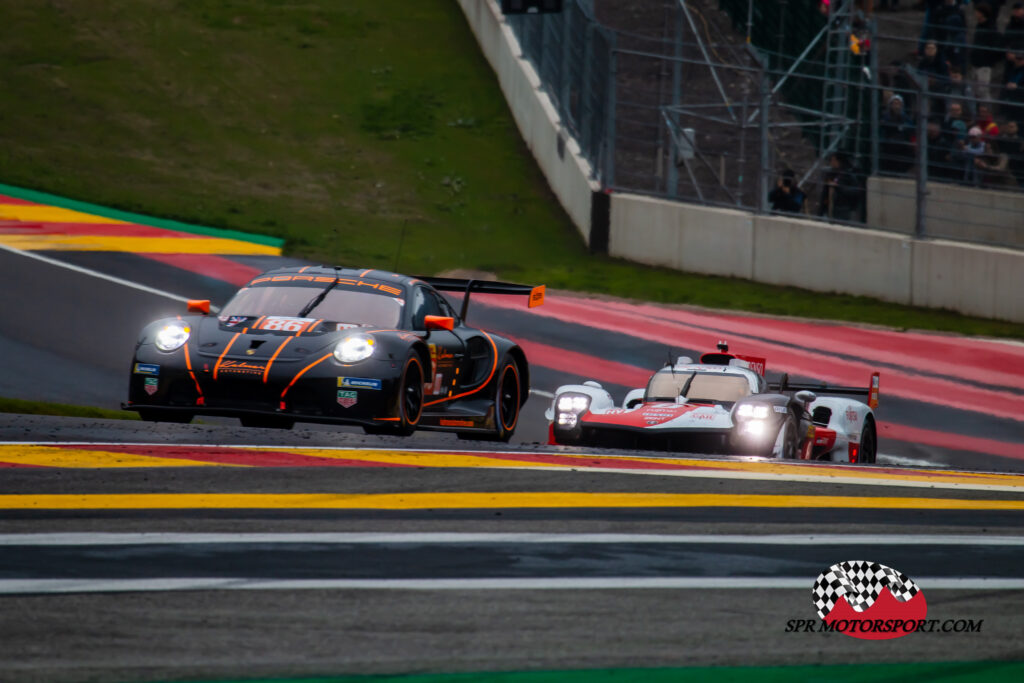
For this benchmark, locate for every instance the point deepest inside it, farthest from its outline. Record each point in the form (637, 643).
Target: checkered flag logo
(860, 583)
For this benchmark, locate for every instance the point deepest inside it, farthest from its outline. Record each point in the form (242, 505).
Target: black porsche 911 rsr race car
(332, 345)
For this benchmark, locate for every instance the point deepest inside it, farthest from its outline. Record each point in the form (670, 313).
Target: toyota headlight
(758, 411)
(172, 336)
(755, 428)
(569, 407)
(573, 403)
(354, 348)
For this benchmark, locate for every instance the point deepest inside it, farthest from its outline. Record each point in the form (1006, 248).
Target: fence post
(563, 94)
(764, 86)
(586, 111)
(875, 104)
(609, 135)
(677, 76)
(921, 177)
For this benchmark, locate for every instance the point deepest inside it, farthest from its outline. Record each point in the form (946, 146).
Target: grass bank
(16, 405)
(363, 133)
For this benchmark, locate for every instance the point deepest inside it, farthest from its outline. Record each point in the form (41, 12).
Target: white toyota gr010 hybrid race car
(722, 405)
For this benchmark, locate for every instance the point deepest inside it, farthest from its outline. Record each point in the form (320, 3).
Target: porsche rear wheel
(868, 444)
(508, 399)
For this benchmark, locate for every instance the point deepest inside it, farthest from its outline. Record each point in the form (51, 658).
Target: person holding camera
(787, 195)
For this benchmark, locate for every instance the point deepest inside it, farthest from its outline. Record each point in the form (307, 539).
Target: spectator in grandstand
(1013, 36)
(841, 195)
(955, 124)
(960, 90)
(993, 168)
(937, 72)
(987, 49)
(949, 30)
(1013, 89)
(974, 148)
(931, 10)
(1011, 144)
(940, 152)
(787, 195)
(984, 121)
(896, 153)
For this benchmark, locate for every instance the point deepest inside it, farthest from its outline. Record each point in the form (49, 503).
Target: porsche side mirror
(437, 322)
(806, 397)
(199, 306)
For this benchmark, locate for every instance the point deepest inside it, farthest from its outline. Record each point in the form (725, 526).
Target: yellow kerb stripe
(416, 459)
(426, 501)
(37, 213)
(138, 245)
(44, 456)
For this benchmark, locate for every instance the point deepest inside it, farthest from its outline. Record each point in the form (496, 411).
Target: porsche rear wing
(870, 392)
(467, 287)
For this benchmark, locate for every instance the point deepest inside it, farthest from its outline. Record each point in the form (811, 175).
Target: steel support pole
(921, 177)
(609, 134)
(875, 104)
(764, 177)
(672, 177)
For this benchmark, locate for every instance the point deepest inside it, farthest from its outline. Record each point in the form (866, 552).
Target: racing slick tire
(267, 422)
(157, 415)
(868, 443)
(788, 438)
(410, 400)
(508, 398)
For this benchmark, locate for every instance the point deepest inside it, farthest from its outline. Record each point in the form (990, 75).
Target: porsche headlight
(755, 410)
(354, 348)
(172, 336)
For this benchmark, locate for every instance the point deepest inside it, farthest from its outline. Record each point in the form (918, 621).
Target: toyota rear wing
(870, 392)
(467, 287)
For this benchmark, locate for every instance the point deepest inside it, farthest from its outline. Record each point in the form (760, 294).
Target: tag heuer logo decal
(347, 399)
(151, 385)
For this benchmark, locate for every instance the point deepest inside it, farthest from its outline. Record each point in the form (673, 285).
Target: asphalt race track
(140, 552)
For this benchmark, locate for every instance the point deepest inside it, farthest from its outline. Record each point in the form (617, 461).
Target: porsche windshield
(345, 305)
(697, 387)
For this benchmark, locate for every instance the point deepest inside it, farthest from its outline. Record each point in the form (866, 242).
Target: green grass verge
(17, 405)
(947, 672)
(363, 133)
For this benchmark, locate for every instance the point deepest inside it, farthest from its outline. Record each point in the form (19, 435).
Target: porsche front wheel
(410, 402)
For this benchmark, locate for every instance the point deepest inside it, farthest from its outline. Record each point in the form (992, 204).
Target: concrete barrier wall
(832, 258)
(682, 236)
(568, 173)
(953, 212)
(971, 279)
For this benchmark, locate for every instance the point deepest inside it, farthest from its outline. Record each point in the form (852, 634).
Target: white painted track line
(101, 276)
(50, 586)
(429, 538)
